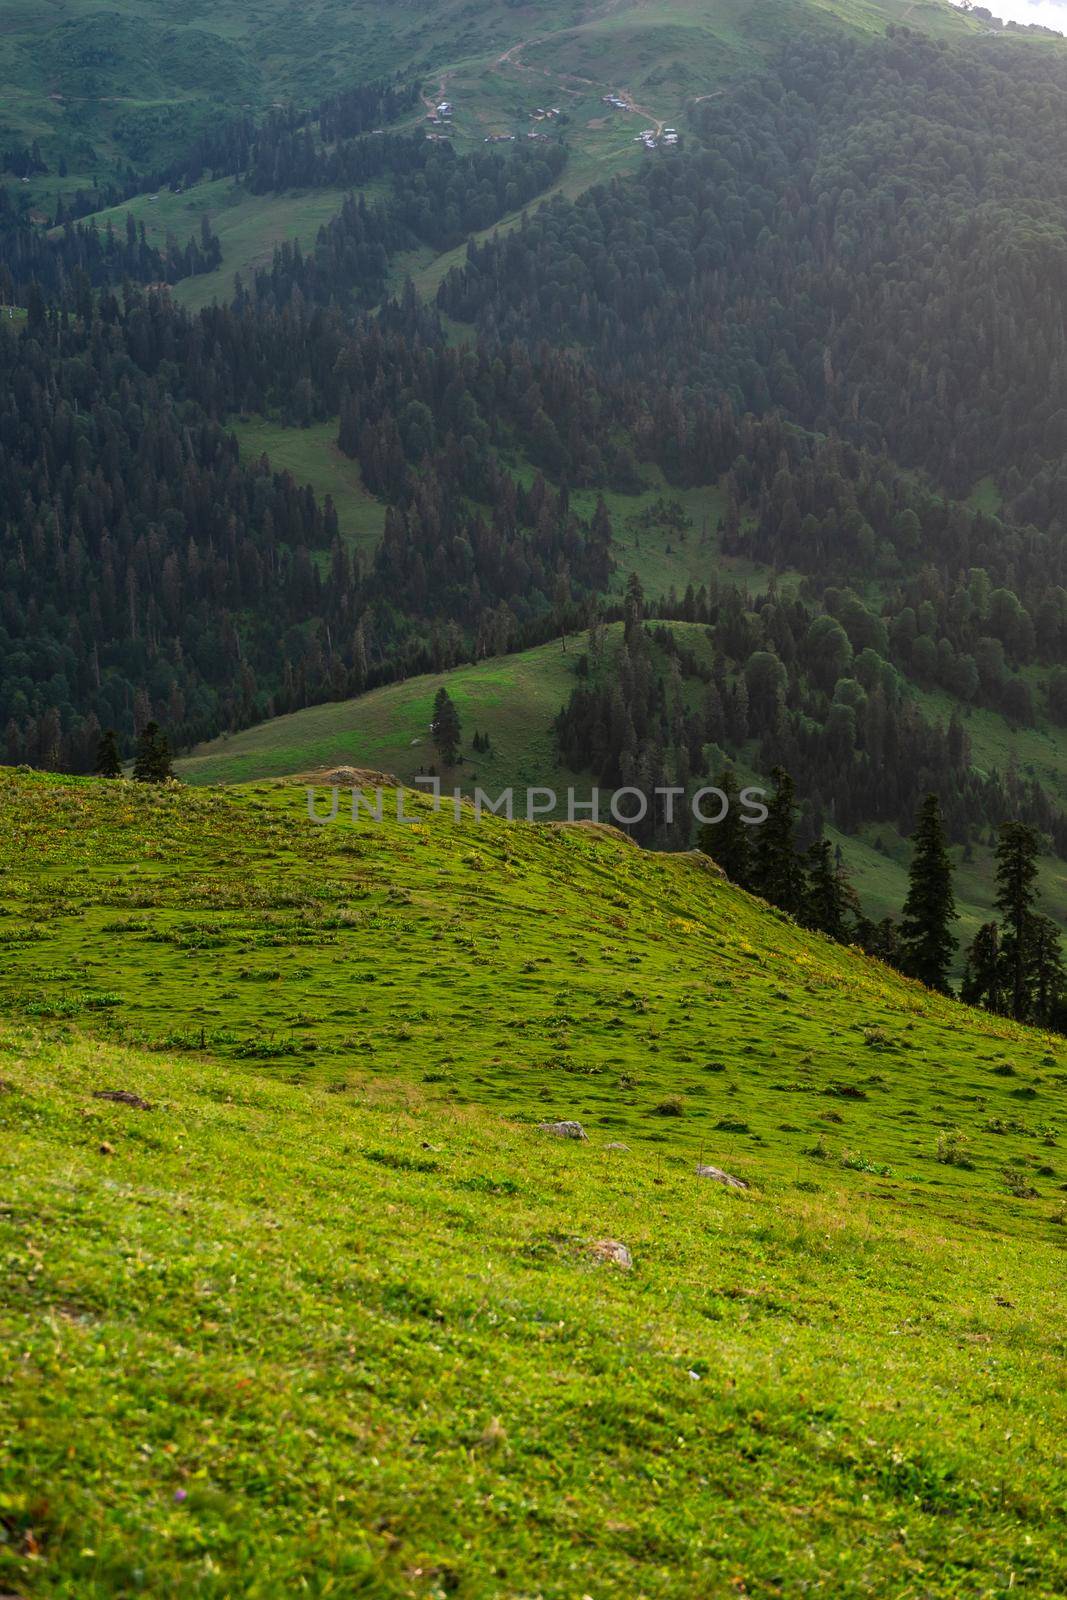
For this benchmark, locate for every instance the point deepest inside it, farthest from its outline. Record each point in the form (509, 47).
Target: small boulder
(717, 1175)
(107, 1149)
(616, 1144)
(563, 1130)
(612, 1252)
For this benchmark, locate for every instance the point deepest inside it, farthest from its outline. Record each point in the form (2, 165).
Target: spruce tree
(927, 943)
(108, 762)
(777, 873)
(445, 727)
(983, 975)
(151, 763)
(633, 607)
(728, 842)
(1017, 848)
(828, 897)
(884, 942)
(1046, 975)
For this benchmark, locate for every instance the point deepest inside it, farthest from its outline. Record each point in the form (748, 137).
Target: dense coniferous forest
(868, 239)
(838, 304)
(435, 198)
(84, 257)
(264, 151)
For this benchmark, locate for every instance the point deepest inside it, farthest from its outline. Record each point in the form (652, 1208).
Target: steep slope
(539, 969)
(319, 1309)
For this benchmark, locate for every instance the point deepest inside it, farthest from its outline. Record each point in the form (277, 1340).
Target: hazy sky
(1050, 13)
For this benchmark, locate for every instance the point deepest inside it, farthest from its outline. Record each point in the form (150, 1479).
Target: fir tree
(829, 897)
(633, 607)
(1017, 847)
(108, 763)
(777, 872)
(727, 842)
(151, 763)
(927, 943)
(445, 728)
(879, 939)
(983, 974)
(1046, 975)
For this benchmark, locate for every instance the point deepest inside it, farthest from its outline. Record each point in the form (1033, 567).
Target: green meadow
(511, 698)
(667, 535)
(515, 699)
(129, 85)
(319, 1308)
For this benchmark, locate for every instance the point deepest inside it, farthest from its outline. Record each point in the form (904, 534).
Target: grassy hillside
(324, 1312)
(514, 699)
(99, 87)
(97, 83)
(647, 539)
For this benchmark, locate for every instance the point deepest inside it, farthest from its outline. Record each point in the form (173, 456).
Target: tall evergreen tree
(777, 871)
(1016, 874)
(879, 939)
(828, 896)
(633, 606)
(151, 762)
(729, 842)
(927, 943)
(108, 762)
(983, 975)
(445, 727)
(1046, 975)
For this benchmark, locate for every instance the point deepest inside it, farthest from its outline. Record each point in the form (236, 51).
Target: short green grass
(514, 699)
(326, 1319)
(511, 698)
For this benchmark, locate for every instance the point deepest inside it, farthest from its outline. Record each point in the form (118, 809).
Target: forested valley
(839, 302)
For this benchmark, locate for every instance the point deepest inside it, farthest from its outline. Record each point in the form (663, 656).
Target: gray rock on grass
(612, 1253)
(717, 1175)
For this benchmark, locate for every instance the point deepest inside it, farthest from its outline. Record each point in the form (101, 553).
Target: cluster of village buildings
(651, 138)
(440, 117)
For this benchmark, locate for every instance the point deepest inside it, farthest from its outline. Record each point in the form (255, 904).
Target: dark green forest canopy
(871, 239)
(840, 302)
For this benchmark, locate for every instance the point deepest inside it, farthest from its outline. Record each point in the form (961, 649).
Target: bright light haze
(1049, 13)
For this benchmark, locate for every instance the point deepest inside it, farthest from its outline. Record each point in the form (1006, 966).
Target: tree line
(1014, 965)
(772, 680)
(37, 268)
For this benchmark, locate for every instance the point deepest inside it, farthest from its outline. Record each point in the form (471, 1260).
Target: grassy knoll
(311, 456)
(512, 698)
(326, 1318)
